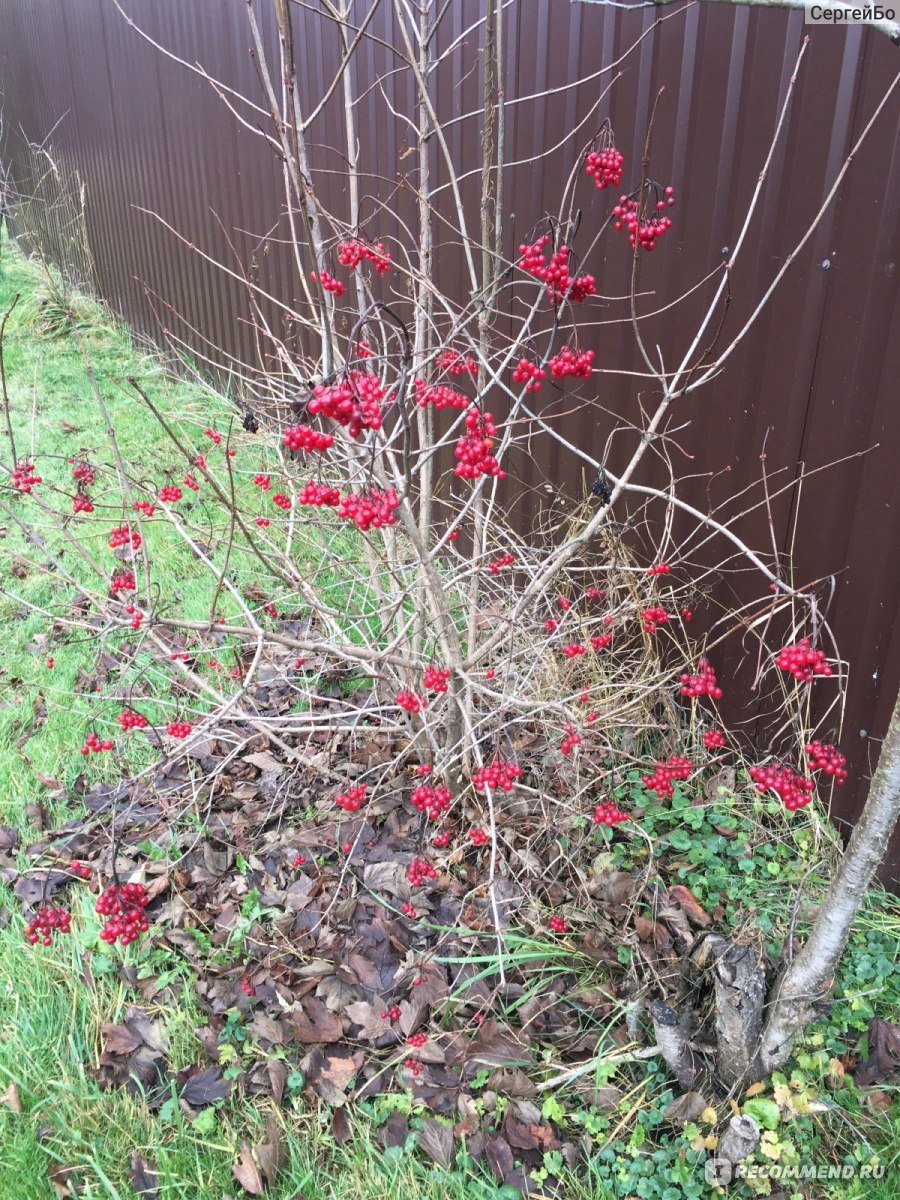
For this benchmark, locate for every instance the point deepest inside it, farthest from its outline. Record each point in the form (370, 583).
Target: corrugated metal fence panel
(815, 380)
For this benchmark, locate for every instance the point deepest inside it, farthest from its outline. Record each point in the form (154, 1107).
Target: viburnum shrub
(412, 366)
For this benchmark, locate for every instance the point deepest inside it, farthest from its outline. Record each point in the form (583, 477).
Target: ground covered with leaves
(321, 975)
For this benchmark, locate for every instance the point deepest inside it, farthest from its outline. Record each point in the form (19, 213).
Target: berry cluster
(505, 560)
(574, 649)
(213, 435)
(660, 781)
(137, 617)
(529, 373)
(793, 789)
(170, 494)
(601, 641)
(558, 925)
(441, 840)
(803, 662)
(190, 481)
(661, 568)
(355, 402)
(440, 395)
(319, 494)
(561, 284)
(123, 904)
(433, 801)
(571, 740)
(605, 166)
(823, 756)
(328, 282)
(392, 1014)
(410, 701)
(577, 363)
(714, 739)
(436, 678)
(262, 481)
(303, 437)
(653, 617)
(373, 509)
(455, 363)
(353, 799)
(247, 987)
(478, 837)
(352, 253)
(81, 869)
(419, 872)
(23, 477)
(643, 230)
(93, 744)
(84, 473)
(607, 812)
(417, 1040)
(128, 719)
(501, 773)
(473, 449)
(179, 729)
(47, 921)
(145, 507)
(81, 502)
(701, 684)
(124, 535)
(282, 501)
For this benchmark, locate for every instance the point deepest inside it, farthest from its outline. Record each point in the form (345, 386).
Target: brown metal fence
(816, 380)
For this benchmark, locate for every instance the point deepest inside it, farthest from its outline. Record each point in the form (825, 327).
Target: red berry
(353, 799)
(660, 781)
(701, 684)
(419, 872)
(499, 774)
(607, 812)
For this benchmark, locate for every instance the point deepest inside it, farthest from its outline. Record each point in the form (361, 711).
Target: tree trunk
(808, 980)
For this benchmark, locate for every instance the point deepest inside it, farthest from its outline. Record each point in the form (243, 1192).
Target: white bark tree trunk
(809, 978)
